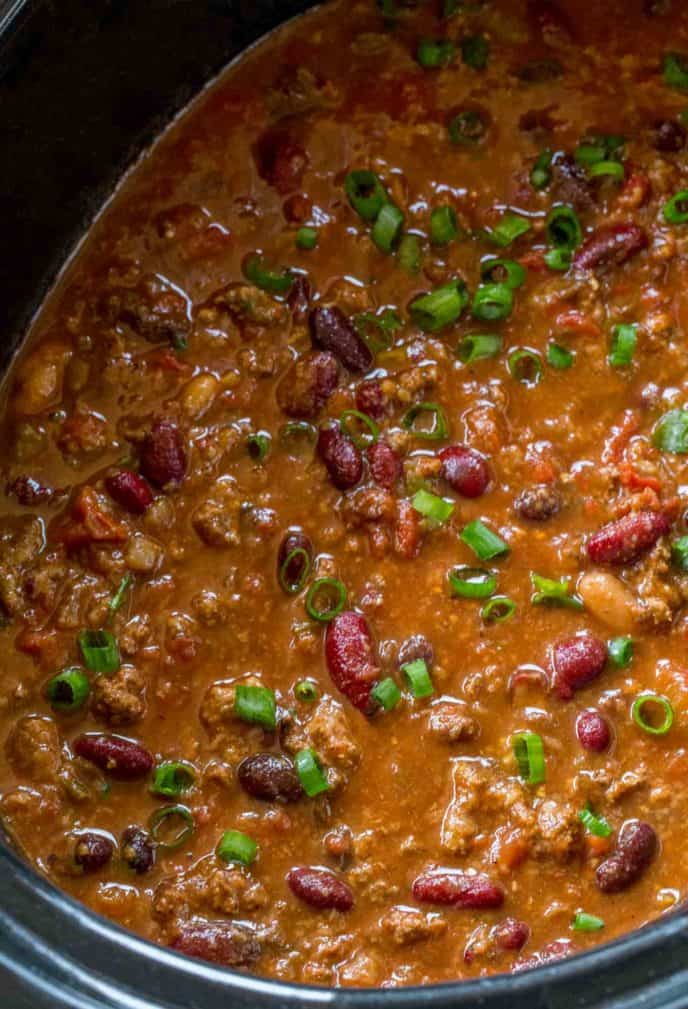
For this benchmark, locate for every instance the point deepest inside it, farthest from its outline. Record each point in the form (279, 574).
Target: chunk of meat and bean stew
(344, 537)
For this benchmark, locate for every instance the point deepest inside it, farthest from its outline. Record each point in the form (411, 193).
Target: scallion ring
(310, 772)
(294, 571)
(541, 172)
(498, 610)
(165, 818)
(442, 307)
(492, 302)
(68, 691)
(468, 128)
(558, 259)
(508, 230)
(675, 70)
(172, 778)
(583, 922)
(560, 357)
(420, 411)
(484, 543)
(525, 366)
(387, 228)
(435, 509)
(472, 583)
(444, 226)
(256, 705)
(506, 272)
(529, 752)
(410, 253)
(477, 346)
(675, 211)
(326, 599)
(647, 706)
(258, 445)
(306, 691)
(624, 341)
(234, 846)
(563, 228)
(366, 193)
(435, 53)
(100, 651)
(377, 331)
(386, 693)
(264, 277)
(594, 824)
(418, 678)
(607, 170)
(359, 427)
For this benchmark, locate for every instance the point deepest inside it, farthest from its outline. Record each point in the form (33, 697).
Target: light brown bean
(608, 599)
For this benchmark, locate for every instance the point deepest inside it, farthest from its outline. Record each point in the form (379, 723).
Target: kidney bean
(219, 942)
(635, 849)
(408, 532)
(163, 456)
(610, 245)
(351, 658)
(93, 851)
(298, 208)
(280, 159)
(120, 757)
(308, 384)
(416, 647)
(320, 888)
(510, 933)
(669, 136)
(342, 458)
(538, 503)
(137, 849)
(299, 297)
(370, 398)
(385, 465)
(455, 888)
(294, 539)
(270, 777)
(130, 491)
(577, 661)
(592, 731)
(332, 330)
(30, 492)
(465, 470)
(628, 538)
(558, 949)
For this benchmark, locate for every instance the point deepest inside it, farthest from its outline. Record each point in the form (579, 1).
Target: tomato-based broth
(344, 553)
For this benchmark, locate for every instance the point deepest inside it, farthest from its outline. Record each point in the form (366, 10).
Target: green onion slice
(418, 678)
(468, 129)
(306, 691)
(483, 542)
(506, 272)
(624, 341)
(563, 228)
(258, 445)
(498, 609)
(377, 331)
(530, 756)
(359, 427)
(583, 922)
(594, 824)
(508, 230)
(558, 259)
(608, 170)
(172, 778)
(234, 846)
(307, 238)
(118, 599)
(326, 599)
(297, 430)
(675, 70)
(472, 583)
(476, 346)
(671, 432)
(436, 432)
(310, 772)
(434, 53)
(432, 507)
(177, 818)
(679, 553)
(444, 226)
(68, 691)
(621, 651)
(647, 707)
(475, 51)
(100, 651)
(387, 228)
(492, 302)
(560, 357)
(294, 571)
(541, 172)
(410, 253)
(256, 705)
(260, 275)
(525, 366)
(675, 210)
(550, 592)
(597, 148)
(366, 193)
(387, 693)
(442, 307)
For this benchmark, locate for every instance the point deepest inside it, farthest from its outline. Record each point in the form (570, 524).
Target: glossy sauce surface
(134, 423)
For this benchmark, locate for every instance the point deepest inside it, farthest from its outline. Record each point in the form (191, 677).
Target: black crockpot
(85, 85)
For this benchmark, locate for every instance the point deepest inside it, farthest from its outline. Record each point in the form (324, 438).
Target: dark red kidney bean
(299, 297)
(351, 658)
(293, 540)
(321, 889)
(119, 757)
(163, 456)
(297, 208)
(130, 491)
(635, 848)
(610, 245)
(370, 398)
(577, 661)
(270, 777)
(332, 330)
(465, 470)
(416, 647)
(280, 159)
(385, 465)
(218, 942)
(539, 503)
(343, 460)
(628, 538)
(668, 135)
(558, 949)
(93, 851)
(592, 731)
(308, 384)
(30, 492)
(454, 888)
(137, 849)
(510, 934)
